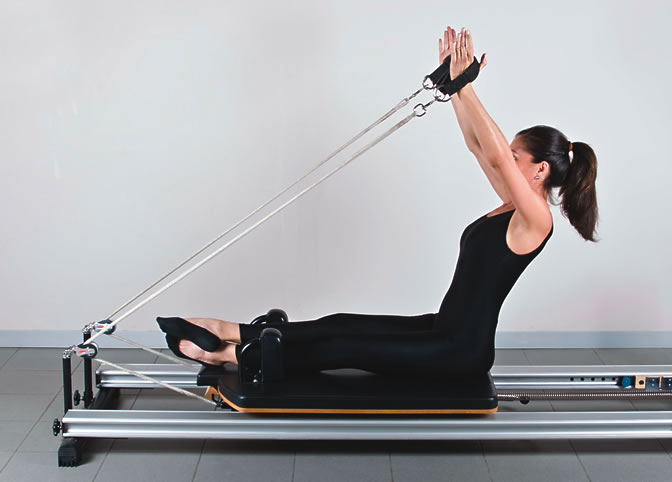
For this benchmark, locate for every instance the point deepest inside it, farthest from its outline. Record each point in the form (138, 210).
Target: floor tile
(533, 461)
(361, 461)
(55, 409)
(667, 445)
(510, 357)
(12, 434)
(246, 460)
(5, 354)
(126, 355)
(4, 458)
(439, 461)
(42, 439)
(624, 460)
(635, 356)
(49, 359)
(24, 408)
(32, 466)
(576, 356)
(145, 460)
(29, 382)
(28, 395)
(127, 399)
(533, 406)
(164, 399)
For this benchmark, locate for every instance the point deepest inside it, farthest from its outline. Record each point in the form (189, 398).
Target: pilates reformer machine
(262, 402)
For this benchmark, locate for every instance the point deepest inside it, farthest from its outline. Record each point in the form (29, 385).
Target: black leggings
(379, 343)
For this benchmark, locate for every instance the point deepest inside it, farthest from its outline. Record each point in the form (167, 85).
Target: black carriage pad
(355, 391)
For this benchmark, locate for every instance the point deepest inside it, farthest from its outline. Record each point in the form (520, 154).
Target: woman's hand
(460, 47)
(446, 44)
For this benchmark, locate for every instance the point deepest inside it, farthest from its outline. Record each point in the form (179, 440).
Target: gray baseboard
(505, 339)
(65, 338)
(584, 339)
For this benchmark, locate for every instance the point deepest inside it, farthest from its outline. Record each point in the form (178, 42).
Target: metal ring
(440, 96)
(419, 110)
(428, 83)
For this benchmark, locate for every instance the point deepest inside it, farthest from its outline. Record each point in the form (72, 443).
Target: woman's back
(486, 271)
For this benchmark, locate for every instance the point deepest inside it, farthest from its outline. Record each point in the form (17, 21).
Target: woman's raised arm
(495, 151)
(446, 48)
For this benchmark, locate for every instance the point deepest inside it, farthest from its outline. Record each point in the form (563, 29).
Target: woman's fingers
(460, 46)
(484, 62)
(456, 47)
(460, 43)
(446, 41)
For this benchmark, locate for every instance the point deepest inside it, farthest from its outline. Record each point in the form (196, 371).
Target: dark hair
(575, 178)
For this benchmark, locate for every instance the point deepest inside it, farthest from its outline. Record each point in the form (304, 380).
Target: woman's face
(524, 162)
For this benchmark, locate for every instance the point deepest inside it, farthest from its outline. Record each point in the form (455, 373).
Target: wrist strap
(443, 82)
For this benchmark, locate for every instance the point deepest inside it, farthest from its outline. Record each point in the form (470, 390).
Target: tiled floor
(30, 398)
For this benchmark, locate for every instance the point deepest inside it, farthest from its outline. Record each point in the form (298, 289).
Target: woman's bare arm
(495, 149)
(446, 48)
(475, 148)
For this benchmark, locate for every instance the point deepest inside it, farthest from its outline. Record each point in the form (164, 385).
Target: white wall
(133, 132)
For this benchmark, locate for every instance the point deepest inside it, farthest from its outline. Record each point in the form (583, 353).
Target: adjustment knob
(56, 427)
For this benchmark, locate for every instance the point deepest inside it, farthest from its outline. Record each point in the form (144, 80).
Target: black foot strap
(183, 330)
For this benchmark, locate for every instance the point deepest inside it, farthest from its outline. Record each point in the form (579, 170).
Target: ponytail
(579, 197)
(573, 169)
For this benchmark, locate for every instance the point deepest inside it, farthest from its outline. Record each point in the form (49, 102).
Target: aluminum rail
(177, 375)
(497, 426)
(505, 377)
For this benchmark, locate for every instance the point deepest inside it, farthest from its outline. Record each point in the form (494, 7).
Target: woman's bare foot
(225, 330)
(226, 353)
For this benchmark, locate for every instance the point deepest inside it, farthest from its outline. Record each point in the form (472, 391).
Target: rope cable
(158, 382)
(416, 113)
(150, 350)
(376, 123)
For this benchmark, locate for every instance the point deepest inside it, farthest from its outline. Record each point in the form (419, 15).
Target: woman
(494, 251)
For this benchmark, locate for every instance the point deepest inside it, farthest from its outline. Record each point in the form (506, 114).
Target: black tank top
(486, 271)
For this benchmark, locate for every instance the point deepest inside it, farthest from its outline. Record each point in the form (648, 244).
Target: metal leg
(67, 382)
(68, 454)
(88, 376)
(71, 448)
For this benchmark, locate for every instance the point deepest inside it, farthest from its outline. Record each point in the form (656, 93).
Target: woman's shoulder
(524, 236)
